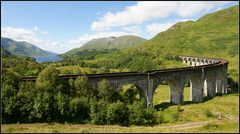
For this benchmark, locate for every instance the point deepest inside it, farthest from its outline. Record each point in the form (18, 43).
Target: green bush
(118, 113)
(149, 116)
(136, 112)
(79, 109)
(62, 104)
(43, 108)
(208, 114)
(98, 112)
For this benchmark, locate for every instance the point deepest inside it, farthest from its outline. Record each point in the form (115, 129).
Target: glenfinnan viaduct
(207, 76)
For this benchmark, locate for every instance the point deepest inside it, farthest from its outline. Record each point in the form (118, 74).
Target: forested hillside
(22, 48)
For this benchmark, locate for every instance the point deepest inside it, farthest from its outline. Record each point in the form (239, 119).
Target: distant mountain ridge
(23, 48)
(112, 42)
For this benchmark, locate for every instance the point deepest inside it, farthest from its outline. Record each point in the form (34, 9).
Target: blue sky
(62, 26)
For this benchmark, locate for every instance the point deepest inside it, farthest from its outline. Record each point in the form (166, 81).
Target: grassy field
(221, 111)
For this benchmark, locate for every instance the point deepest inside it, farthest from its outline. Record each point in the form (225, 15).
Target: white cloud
(134, 30)
(30, 35)
(220, 8)
(151, 10)
(155, 28)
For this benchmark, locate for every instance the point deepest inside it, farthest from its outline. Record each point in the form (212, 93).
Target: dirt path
(193, 124)
(187, 126)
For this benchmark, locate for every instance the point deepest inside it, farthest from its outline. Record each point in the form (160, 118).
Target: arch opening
(131, 93)
(161, 96)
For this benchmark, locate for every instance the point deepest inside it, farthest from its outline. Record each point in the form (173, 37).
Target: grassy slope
(226, 105)
(213, 35)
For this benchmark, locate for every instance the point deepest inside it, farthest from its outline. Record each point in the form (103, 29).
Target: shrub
(79, 109)
(208, 114)
(118, 113)
(62, 104)
(136, 113)
(149, 116)
(43, 108)
(98, 112)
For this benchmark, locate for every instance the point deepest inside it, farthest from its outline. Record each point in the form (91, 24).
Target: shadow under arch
(134, 86)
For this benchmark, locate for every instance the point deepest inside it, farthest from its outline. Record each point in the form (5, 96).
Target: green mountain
(108, 43)
(214, 35)
(23, 48)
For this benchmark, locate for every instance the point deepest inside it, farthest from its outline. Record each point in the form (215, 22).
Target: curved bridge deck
(207, 76)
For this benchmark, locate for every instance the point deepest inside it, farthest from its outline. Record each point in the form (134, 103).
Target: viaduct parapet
(207, 77)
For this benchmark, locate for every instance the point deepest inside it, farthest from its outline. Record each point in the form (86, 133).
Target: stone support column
(210, 83)
(176, 84)
(219, 81)
(225, 78)
(152, 85)
(196, 87)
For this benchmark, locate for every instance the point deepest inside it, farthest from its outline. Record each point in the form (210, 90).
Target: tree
(82, 88)
(10, 78)
(8, 108)
(71, 87)
(105, 91)
(79, 109)
(43, 108)
(48, 80)
(62, 104)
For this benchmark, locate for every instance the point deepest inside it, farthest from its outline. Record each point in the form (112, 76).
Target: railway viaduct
(207, 77)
